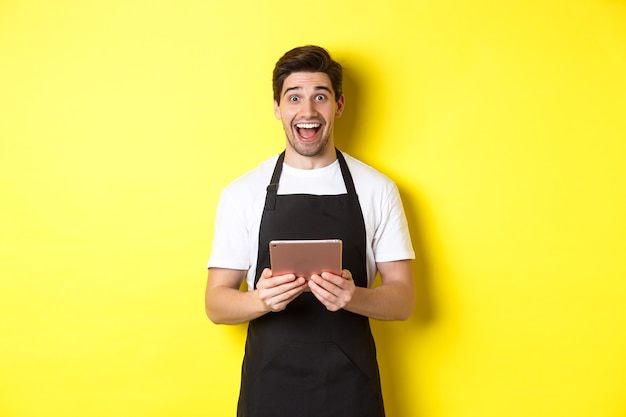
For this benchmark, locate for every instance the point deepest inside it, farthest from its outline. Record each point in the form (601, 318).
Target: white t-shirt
(236, 236)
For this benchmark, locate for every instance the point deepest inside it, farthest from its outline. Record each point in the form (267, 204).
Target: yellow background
(503, 123)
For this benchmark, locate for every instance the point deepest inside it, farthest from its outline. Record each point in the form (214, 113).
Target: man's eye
(293, 98)
(320, 97)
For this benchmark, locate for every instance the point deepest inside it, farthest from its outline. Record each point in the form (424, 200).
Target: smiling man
(309, 350)
(308, 108)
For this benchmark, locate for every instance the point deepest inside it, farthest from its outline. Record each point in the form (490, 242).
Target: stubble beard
(309, 149)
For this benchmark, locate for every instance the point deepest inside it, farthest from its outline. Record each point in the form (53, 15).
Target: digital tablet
(305, 257)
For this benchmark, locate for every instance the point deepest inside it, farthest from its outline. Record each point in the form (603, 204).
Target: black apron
(308, 361)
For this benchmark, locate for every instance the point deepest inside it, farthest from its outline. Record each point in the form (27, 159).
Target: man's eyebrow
(291, 89)
(319, 87)
(322, 87)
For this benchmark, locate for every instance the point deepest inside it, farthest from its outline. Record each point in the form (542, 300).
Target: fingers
(334, 291)
(277, 292)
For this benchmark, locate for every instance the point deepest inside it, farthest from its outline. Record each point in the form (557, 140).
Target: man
(309, 350)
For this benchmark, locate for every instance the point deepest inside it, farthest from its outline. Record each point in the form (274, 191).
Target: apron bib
(308, 361)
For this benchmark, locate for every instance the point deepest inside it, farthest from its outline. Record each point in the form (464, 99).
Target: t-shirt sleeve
(230, 247)
(392, 241)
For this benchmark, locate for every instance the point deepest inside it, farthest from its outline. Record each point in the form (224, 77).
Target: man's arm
(226, 304)
(394, 299)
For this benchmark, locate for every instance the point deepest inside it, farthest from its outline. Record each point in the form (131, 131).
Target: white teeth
(307, 125)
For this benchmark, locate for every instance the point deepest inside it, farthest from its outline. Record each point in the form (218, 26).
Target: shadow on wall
(391, 338)
(394, 339)
(346, 128)
(347, 139)
(424, 308)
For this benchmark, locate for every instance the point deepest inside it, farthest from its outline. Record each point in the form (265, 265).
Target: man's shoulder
(363, 172)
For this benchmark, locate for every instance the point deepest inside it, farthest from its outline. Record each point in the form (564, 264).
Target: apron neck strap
(347, 177)
(272, 188)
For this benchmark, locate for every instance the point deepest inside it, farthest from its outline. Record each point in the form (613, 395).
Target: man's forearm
(226, 305)
(392, 301)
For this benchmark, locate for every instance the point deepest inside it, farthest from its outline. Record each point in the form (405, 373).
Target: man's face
(308, 110)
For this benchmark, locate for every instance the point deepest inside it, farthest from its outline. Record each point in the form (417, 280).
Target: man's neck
(295, 160)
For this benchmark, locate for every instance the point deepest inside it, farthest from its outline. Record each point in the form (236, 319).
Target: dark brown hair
(308, 58)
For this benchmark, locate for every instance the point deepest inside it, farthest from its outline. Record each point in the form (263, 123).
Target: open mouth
(308, 131)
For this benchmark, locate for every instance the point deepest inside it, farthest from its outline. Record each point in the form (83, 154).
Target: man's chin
(309, 149)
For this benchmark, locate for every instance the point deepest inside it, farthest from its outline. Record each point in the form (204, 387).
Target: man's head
(309, 58)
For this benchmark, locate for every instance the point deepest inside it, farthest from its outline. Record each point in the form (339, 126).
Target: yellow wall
(502, 123)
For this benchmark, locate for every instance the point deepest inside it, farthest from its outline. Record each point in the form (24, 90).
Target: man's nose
(308, 109)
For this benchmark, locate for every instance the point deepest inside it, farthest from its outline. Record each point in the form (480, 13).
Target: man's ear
(277, 110)
(340, 105)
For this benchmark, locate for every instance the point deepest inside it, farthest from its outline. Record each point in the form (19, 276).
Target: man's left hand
(334, 291)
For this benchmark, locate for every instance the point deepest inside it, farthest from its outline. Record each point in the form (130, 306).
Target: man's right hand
(276, 292)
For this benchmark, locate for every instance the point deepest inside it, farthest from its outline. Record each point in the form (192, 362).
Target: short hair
(308, 58)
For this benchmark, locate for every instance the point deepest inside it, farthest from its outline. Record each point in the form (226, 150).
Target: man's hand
(334, 291)
(276, 292)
